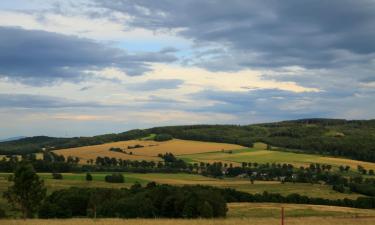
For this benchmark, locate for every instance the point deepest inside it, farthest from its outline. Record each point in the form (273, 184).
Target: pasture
(272, 156)
(241, 184)
(149, 151)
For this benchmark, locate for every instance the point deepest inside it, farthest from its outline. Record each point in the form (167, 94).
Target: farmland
(241, 184)
(149, 151)
(272, 156)
(197, 151)
(238, 214)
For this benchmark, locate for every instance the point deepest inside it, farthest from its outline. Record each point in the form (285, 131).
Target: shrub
(113, 149)
(88, 177)
(115, 178)
(57, 176)
(2, 213)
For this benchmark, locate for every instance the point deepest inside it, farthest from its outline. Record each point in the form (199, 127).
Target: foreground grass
(273, 210)
(247, 221)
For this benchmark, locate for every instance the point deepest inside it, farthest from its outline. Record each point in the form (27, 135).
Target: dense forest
(348, 138)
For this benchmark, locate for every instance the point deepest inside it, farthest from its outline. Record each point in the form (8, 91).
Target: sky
(88, 67)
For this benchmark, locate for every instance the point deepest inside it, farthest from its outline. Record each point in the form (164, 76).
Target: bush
(57, 176)
(163, 137)
(115, 178)
(88, 177)
(339, 188)
(2, 213)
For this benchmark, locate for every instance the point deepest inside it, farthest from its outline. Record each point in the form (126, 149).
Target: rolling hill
(343, 138)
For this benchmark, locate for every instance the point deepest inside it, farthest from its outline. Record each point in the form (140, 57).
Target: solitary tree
(27, 191)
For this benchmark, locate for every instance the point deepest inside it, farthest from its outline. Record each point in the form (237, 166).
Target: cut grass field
(260, 155)
(149, 152)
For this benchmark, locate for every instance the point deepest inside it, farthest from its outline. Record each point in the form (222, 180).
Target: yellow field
(258, 210)
(149, 152)
(246, 221)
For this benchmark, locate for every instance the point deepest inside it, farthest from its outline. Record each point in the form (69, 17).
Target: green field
(70, 179)
(260, 155)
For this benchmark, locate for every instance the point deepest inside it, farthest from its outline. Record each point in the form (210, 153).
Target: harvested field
(149, 152)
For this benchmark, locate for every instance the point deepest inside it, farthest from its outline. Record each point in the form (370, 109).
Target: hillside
(146, 150)
(348, 138)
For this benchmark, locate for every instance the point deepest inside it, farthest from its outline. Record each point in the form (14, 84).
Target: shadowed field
(247, 221)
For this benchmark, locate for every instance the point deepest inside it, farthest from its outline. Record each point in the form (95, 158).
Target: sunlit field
(267, 156)
(148, 152)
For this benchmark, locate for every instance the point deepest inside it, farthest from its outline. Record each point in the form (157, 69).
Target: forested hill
(350, 138)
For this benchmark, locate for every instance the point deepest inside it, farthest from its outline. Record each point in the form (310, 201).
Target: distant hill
(345, 138)
(12, 138)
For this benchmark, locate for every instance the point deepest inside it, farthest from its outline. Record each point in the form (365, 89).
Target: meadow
(259, 154)
(241, 184)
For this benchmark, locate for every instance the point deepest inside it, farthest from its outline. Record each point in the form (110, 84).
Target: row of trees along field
(349, 138)
(28, 194)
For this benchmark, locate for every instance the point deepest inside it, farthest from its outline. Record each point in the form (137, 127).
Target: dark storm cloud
(42, 102)
(39, 57)
(311, 33)
(266, 103)
(155, 84)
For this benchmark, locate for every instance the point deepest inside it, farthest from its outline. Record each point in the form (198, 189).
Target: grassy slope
(259, 154)
(267, 156)
(69, 180)
(149, 152)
